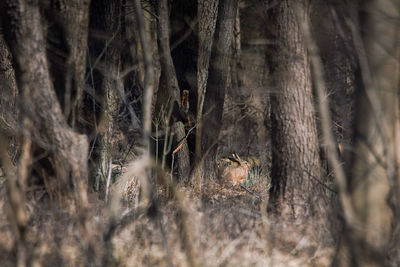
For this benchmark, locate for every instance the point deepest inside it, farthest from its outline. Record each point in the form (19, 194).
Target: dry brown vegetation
(229, 225)
(199, 133)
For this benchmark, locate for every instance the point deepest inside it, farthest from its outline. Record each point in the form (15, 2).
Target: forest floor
(229, 227)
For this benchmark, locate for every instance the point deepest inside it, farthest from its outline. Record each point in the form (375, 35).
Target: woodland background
(199, 133)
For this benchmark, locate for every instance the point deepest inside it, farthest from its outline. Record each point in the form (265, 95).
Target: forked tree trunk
(73, 19)
(48, 128)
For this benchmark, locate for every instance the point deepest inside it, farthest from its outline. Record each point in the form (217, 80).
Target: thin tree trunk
(112, 84)
(148, 84)
(207, 13)
(169, 92)
(217, 84)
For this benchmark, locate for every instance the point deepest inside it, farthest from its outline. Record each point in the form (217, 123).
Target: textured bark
(168, 92)
(112, 84)
(217, 83)
(169, 87)
(15, 186)
(333, 36)
(73, 18)
(183, 163)
(207, 14)
(8, 92)
(295, 157)
(39, 106)
(236, 51)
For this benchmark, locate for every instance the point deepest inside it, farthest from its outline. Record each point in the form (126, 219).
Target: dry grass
(228, 224)
(229, 230)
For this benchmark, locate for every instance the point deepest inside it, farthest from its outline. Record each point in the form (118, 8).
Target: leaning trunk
(40, 109)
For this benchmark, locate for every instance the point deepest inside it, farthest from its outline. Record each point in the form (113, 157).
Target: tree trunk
(168, 92)
(207, 14)
(111, 23)
(15, 186)
(217, 84)
(73, 20)
(183, 164)
(373, 171)
(295, 191)
(8, 92)
(333, 36)
(48, 127)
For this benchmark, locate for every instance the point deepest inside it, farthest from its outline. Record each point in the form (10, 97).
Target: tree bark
(48, 127)
(295, 191)
(109, 21)
(217, 84)
(72, 17)
(169, 92)
(8, 92)
(184, 164)
(335, 43)
(207, 14)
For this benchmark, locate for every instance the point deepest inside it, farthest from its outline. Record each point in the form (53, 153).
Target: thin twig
(251, 192)
(108, 178)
